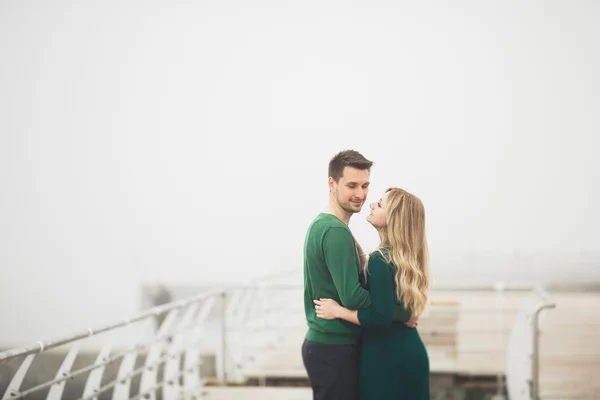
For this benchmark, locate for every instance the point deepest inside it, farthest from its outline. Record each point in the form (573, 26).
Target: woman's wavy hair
(404, 244)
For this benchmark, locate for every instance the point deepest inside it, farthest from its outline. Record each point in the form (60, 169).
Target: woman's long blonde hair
(404, 244)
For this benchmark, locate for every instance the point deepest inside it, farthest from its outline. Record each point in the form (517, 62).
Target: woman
(393, 361)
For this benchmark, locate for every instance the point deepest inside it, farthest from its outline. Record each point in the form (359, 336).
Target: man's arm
(401, 314)
(341, 259)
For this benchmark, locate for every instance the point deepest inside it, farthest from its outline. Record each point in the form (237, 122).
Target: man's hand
(413, 322)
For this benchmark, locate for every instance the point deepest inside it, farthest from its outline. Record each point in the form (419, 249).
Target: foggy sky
(189, 141)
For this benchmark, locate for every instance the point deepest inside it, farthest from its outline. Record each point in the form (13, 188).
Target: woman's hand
(327, 308)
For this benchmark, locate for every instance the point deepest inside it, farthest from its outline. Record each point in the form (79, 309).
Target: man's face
(350, 192)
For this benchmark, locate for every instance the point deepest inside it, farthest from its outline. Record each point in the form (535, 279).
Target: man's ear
(331, 183)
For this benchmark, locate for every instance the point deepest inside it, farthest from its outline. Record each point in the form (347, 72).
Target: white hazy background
(188, 141)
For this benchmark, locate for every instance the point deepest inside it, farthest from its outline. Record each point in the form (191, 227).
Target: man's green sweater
(331, 267)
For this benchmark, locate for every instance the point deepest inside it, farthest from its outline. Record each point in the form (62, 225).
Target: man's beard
(348, 207)
(350, 210)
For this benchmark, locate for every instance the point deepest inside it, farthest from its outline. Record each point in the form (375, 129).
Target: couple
(361, 340)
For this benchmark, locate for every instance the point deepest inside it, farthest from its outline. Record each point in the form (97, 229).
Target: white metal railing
(247, 323)
(523, 351)
(520, 377)
(258, 317)
(251, 320)
(127, 343)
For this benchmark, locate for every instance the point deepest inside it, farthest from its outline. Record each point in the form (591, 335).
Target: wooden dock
(475, 333)
(257, 393)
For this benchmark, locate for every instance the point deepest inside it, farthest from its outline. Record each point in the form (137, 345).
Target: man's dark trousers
(332, 370)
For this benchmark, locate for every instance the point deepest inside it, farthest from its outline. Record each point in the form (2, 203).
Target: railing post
(535, 362)
(223, 377)
(500, 305)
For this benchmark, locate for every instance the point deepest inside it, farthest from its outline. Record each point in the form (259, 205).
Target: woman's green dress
(393, 360)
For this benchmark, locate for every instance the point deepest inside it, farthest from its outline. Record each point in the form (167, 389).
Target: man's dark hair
(347, 158)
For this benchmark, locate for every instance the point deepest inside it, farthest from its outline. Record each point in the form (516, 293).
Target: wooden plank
(257, 393)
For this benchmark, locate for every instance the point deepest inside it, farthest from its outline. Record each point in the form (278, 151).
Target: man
(331, 266)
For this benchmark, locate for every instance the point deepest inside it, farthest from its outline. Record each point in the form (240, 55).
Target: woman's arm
(381, 311)
(330, 309)
(400, 313)
(383, 296)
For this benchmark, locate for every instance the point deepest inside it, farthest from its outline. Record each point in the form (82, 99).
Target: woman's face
(377, 216)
